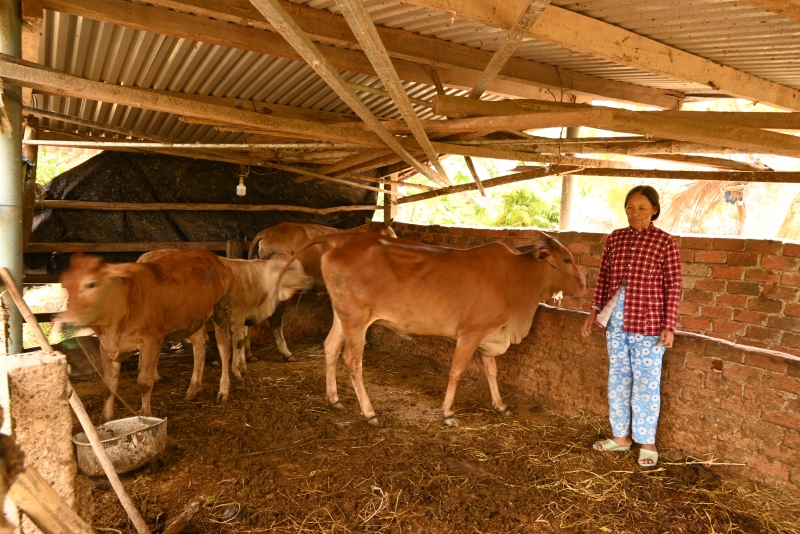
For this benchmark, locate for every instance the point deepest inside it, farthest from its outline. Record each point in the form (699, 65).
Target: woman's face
(639, 211)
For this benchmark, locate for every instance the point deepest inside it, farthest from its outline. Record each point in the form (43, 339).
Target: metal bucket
(130, 443)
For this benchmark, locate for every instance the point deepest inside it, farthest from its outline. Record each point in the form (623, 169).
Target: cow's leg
(333, 346)
(248, 353)
(276, 322)
(239, 336)
(198, 341)
(157, 377)
(465, 348)
(150, 352)
(222, 329)
(490, 369)
(353, 358)
(110, 382)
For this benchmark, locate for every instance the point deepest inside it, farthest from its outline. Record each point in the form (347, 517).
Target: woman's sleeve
(604, 275)
(672, 284)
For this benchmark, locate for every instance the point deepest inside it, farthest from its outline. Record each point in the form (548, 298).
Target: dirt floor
(276, 458)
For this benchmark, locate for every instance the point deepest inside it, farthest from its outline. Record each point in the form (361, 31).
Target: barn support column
(569, 189)
(390, 200)
(11, 178)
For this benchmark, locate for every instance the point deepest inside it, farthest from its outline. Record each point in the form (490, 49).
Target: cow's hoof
(374, 422)
(252, 359)
(237, 375)
(191, 396)
(506, 412)
(337, 405)
(452, 421)
(289, 358)
(221, 397)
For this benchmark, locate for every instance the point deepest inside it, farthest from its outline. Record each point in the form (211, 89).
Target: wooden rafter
(584, 34)
(459, 65)
(283, 24)
(527, 17)
(732, 176)
(474, 172)
(785, 8)
(357, 16)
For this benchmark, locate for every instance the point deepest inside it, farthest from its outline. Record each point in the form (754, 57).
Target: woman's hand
(587, 324)
(667, 337)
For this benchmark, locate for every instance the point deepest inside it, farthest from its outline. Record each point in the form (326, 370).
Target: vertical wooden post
(32, 16)
(390, 201)
(233, 250)
(11, 179)
(31, 153)
(568, 191)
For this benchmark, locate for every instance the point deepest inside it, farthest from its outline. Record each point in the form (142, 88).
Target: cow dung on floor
(283, 461)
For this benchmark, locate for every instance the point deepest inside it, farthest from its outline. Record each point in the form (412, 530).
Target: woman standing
(636, 300)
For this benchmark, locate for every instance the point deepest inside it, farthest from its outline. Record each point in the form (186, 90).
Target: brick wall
(741, 290)
(740, 404)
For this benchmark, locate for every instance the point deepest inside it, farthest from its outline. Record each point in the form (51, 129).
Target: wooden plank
(45, 508)
(590, 36)
(91, 124)
(459, 65)
(733, 176)
(195, 206)
(123, 247)
(474, 172)
(518, 155)
(459, 108)
(718, 163)
(26, 74)
(539, 172)
(283, 24)
(356, 15)
(527, 17)
(32, 16)
(785, 8)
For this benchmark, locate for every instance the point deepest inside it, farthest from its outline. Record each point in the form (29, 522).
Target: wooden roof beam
(785, 8)
(237, 24)
(283, 24)
(527, 17)
(584, 34)
(357, 16)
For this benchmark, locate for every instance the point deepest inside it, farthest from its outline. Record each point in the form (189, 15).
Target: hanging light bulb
(241, 190)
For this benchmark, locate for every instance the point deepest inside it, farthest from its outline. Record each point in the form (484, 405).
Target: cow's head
(381, 228)
(89, 281)
(294, 279)
(567, 277)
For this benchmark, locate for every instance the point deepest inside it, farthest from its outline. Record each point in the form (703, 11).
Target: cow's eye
(89, 285)
(567, 261)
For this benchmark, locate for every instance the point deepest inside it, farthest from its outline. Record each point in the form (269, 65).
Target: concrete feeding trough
(130, 443)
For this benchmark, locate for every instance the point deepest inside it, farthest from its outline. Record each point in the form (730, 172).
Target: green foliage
(46, 167)
(521, 207)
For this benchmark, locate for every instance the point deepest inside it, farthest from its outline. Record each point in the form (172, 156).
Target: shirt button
(629, 265)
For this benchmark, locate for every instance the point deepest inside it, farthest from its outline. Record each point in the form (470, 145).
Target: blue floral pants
(634, 379)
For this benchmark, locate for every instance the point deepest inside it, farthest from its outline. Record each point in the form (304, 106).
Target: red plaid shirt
(649, 263)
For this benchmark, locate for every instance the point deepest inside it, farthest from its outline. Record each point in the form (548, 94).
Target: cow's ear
(541, 253)
(367, 220)
(522, 249)
(120, 270)
(389, 223)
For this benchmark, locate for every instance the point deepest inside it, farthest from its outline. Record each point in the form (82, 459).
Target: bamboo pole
(80, 411)
(48, 511)
(103, 145)
(733, 176)
(178, 206)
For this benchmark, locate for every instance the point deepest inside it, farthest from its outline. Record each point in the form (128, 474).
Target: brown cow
(484, 298)
(287, 238)
(135, 306)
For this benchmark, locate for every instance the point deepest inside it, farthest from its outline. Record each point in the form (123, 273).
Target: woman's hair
(649, 193)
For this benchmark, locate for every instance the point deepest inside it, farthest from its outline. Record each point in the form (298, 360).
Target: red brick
(791, 340)
(717, 312)
(687, 282)
(705, 396)
(695, 269)
(749, 317)
(743, 288)
(700, 297)
(762, 275)
(581, 248)
(784, 419)
(744, 259)
(764, 361)
(717, 335)
(687, 255)
(686, 377)
(688, 308)
(754, 343)
(710, 284)
(736, 301)
(761, 304)
(791, 249)
(744, 373)
(758, 245)
(782, 382)
(742, 406)
(456, 231)
(727, 327)
(778, 291)
(792, 310)
(710, 256)
(787, 350)
(790, 279)
(695, 323)
(773, 469)
(723, 351)
(729, 273)
(728, 244)
(778, 262)
(702, 243)
(762, 333)
(784, 323)
(593, 261)
(438, 238)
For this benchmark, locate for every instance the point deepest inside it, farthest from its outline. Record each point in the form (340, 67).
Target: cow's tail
(332, 239)
(254, 248)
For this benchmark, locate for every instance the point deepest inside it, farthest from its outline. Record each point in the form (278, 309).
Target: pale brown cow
(134, 306)
(287, 238)
(484, 298)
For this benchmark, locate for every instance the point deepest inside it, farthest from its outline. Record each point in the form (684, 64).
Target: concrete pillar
(569, 190)
(11, 179)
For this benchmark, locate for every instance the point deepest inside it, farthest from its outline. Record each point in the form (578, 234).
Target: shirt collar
(645, 230)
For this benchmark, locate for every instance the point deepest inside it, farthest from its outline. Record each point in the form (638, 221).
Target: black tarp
(149, 178)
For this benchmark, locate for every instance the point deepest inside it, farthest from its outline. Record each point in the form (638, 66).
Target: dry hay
(276, 459)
